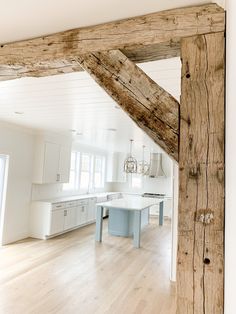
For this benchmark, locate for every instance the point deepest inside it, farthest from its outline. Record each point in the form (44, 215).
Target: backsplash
(48, 191)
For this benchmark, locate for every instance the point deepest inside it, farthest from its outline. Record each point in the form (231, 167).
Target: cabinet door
(57, 221)
(91, 210)
(51, 163)
(64, 164)
(70, 218)
(81, 214)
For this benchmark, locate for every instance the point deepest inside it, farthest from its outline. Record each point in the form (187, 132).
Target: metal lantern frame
(130, 163)
(143, 165)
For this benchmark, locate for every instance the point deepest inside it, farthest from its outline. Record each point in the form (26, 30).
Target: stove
(153, 195)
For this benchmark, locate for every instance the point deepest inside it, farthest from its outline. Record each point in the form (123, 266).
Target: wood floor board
(72, 274)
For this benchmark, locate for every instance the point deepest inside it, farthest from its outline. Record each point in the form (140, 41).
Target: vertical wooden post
(200, 272)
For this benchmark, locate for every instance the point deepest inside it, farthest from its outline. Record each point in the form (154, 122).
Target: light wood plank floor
(73, 274)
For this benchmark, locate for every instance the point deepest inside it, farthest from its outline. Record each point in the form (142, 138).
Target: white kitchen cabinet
(82, 212)
(51, 163)
(91, 210)
(70, 218)
(115, 167)
(64, 163)
(81, 215)
(48, 219)
(57, 221)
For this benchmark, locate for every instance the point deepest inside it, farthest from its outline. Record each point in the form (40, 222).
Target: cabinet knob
(65, 212)
(58, 177)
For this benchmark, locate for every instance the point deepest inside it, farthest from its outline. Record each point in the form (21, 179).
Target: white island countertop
(132, 203)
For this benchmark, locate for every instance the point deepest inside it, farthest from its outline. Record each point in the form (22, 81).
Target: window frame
(77, 185)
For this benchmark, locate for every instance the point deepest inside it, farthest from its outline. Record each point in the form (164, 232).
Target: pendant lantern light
(130, 163)
(143, 166)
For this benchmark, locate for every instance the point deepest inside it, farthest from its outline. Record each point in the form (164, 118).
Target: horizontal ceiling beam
(144, 38)
(138, 55)
(153, 109)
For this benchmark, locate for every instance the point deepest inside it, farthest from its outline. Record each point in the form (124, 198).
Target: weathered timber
(200, 273)
(143, 54)
(154, 110)
(160, 32)
(38, 70)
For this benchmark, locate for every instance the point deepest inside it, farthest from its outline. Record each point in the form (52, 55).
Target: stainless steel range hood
(155, 170)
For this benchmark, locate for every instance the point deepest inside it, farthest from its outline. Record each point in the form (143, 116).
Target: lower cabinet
(81, 214)
(50, 219)
(69, 218)
(91, 210)
(57, 221)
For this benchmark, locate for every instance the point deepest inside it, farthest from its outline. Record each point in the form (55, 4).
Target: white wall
(230, 211)
(18, 144)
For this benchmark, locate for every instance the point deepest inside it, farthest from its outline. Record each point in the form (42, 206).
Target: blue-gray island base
(127, 216)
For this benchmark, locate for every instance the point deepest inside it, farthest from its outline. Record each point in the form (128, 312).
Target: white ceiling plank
(75, 101)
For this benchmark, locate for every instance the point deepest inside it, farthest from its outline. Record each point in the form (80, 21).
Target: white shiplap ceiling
(75, 101)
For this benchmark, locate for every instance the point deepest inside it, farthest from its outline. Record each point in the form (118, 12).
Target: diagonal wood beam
(154, 110)
(134, 36)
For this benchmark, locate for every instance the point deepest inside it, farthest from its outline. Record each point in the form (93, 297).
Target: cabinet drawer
(82, 202)
(56, 206)
(71, 204)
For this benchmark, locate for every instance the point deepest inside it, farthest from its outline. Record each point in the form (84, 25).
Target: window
(85, 175)
(87, 172)
(74, 172)
(99, 169)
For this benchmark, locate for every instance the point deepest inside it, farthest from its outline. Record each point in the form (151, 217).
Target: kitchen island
(127, 216)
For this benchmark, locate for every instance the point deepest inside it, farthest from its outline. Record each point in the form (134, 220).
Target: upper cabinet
(64, 163)
(52, 162)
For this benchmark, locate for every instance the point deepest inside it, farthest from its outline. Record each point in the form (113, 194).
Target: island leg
(161, 215)
(137, 228)
(99, 222)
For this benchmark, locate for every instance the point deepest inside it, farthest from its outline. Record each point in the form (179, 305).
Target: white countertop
(131, 203)
(101, 194)
(77, 197)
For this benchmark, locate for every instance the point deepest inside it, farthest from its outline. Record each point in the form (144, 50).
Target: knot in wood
(205, 216)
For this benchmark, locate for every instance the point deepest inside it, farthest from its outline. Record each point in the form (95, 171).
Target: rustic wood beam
(159, 32)
(143, 54)
(153, 109)
(200, 272)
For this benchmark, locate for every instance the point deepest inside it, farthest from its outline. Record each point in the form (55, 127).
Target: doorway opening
(3, 188)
